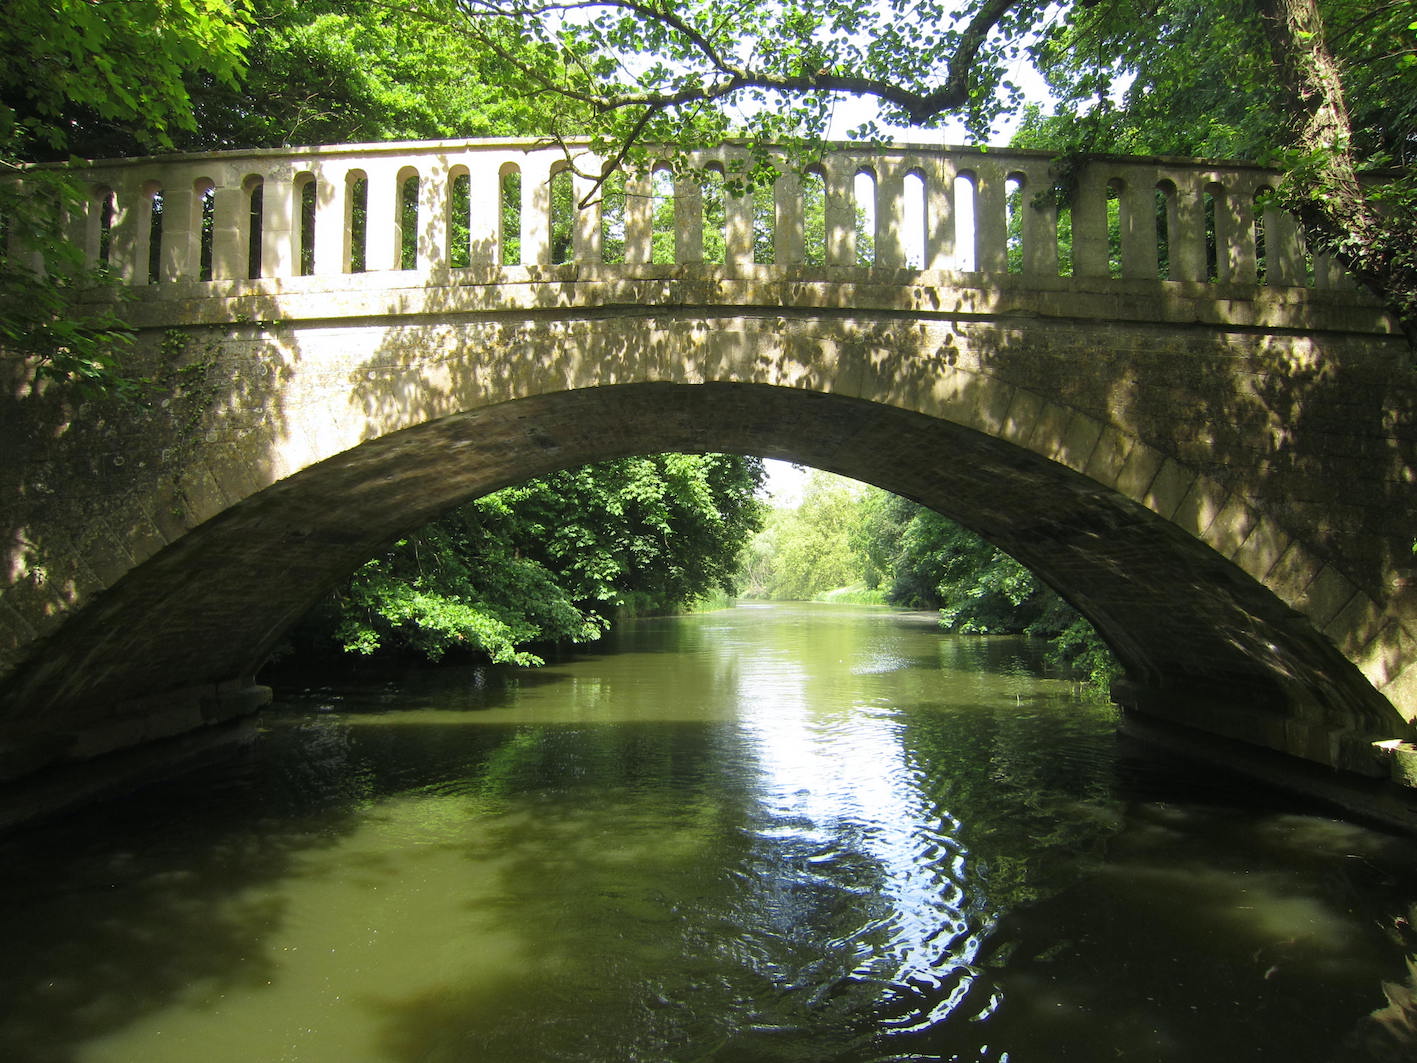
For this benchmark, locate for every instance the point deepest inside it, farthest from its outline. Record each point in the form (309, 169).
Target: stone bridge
(1152, 396)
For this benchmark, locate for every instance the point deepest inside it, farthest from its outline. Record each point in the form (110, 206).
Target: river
(767, 834)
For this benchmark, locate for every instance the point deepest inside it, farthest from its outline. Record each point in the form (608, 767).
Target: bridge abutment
(143, 741)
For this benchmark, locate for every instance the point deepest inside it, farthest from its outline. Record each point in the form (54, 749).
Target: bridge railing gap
(337, 210)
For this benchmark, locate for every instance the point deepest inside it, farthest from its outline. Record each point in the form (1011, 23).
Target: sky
(784, 484)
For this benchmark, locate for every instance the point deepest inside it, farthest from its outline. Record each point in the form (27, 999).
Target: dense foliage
(71, 73)
(846, 541)
(806, 550)
(552, 560)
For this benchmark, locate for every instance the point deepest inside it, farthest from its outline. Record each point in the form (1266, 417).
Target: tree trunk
(1323, 188)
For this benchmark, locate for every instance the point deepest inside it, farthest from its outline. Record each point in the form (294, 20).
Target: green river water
(767, 834)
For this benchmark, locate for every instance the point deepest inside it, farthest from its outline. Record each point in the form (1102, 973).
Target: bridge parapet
(433, 207)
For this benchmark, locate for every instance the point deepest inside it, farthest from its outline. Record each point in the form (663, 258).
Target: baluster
(940, 173)
(332, 236)
(1240, 232)
(1285, 249)
(890, 208)
(1038, 214)
(536, 208)
(840, 209)
(180, 230)
(1137, 209)
(737, 224)
(19, 245)
(78, 225)
(228, 204)
(484, 203)
(787, 242)
(1329, 273)
(434, 205)
(1187, 235)
(381, 211)
(1090, 244)
(688, 221)
(279, 232)
(121, 234)
(991, 220)
(639, 217)
(587, 233)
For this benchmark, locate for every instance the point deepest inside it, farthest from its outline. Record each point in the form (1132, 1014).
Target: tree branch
(919, 106)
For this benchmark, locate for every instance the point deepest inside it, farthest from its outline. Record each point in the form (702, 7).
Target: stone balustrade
(448, 205)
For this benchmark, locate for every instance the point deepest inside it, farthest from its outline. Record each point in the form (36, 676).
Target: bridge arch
(1216, 478)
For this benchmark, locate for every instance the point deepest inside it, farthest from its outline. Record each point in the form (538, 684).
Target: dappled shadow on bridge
(1125, 463)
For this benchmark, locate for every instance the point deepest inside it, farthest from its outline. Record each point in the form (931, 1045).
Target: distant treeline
(850, 542)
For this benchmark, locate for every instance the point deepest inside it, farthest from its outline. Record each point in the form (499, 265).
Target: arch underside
(1202, 643)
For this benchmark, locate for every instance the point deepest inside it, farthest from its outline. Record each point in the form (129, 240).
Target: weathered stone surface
(1220, 476)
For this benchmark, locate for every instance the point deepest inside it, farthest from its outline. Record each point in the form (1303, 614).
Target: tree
(110, 79)
(808, 550)
(690, 72)
(75, 75)
(340, 71)
(845, 534)
(928, 561)
(1273, 80)
(555, 559)
(74, 70)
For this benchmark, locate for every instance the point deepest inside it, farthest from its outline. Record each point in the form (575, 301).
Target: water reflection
(843, 821)
(752, 837)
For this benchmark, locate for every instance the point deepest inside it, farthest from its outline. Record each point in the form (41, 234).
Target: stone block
(1386, 654)
(1109, 456)
(1292, 574)
(1401, 690)
(1262, 549)
(1202, 503)
(970, 399)
(1079, 441)
(1139, 470)
(1231, 527)
(1326, 596)
(1050, 430)
(1355, 625)
(1022, 418)
(1170, 485)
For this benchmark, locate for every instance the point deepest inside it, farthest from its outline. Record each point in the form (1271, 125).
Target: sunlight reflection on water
(786, 835)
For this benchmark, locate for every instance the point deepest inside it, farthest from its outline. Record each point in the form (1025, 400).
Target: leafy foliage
(74, 71)
(1323, 90)
(845, 535)
(551, 560)
(666, 72)
(72, 74)
(108, 79)
(803, 553)
(336, 71)
(39, 317)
